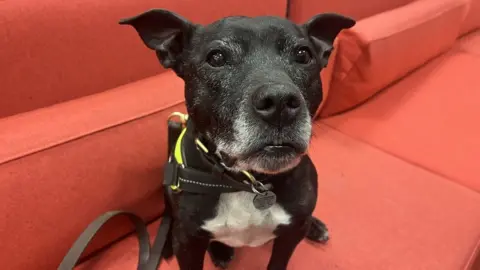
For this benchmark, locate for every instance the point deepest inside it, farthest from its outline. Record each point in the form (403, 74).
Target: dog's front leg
(284, 246)
(191, 252)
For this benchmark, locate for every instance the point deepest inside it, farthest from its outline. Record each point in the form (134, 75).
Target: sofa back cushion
(382, 49)
(301, 10)
(52, 51)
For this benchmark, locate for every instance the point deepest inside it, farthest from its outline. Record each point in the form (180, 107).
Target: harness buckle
(170, 176)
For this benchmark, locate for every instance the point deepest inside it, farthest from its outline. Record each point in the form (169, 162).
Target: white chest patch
(238, 223)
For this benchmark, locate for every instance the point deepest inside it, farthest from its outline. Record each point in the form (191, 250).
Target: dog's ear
(163, 31)
(323, 29)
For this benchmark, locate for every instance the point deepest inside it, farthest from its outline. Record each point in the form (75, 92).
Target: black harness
(189, 161)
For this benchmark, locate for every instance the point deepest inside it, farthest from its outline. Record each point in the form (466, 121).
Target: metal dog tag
(264, 200)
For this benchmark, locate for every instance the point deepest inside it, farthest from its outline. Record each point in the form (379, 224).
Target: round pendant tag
(265, 200)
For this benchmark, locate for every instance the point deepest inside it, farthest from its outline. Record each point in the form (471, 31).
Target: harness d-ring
(182, 117)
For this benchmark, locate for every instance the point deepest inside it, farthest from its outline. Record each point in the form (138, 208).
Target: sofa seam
(474, 257)
(287, 8)
(89, 133)
(391, 154)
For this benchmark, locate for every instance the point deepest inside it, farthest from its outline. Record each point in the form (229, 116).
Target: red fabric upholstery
(472, 20)
(53, 51)
(383, 213)
(383, 48)
(63, 166)
(302, 10)
(474, 261)
(430, 118)
(469, 43)
(32, 132)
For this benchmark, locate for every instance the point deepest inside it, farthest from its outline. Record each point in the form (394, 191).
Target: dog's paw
(318, 231)
(220, 254)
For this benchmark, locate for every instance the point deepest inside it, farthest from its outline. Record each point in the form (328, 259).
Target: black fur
(227, 66)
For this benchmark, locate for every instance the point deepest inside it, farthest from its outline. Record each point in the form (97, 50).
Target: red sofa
(83, 108)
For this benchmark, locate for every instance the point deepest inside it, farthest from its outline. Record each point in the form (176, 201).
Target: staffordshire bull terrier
(252, 87)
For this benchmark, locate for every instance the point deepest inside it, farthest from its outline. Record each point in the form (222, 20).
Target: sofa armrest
(63, 166)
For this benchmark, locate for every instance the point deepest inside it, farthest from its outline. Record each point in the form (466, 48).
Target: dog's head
(252, 85)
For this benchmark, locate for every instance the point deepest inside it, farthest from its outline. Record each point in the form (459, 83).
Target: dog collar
(193, 168)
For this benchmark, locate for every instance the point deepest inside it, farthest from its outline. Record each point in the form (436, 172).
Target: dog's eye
(303, 55)
(216, 58)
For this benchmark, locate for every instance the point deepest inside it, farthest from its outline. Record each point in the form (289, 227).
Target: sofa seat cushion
(382, 212)
(384, 48)
(430, 118)
(469, 43)
(62, 166)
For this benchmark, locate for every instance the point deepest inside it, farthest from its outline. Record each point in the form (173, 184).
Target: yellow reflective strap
(177, 153)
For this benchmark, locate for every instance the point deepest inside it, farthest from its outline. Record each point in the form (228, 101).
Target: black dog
(252, 86)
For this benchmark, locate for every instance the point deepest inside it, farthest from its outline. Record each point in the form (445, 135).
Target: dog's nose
(277, 104)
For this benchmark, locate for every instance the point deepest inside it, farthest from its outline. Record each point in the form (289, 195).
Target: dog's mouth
(279, 150)
(274, 150)
(270, 158)
(265, 149)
